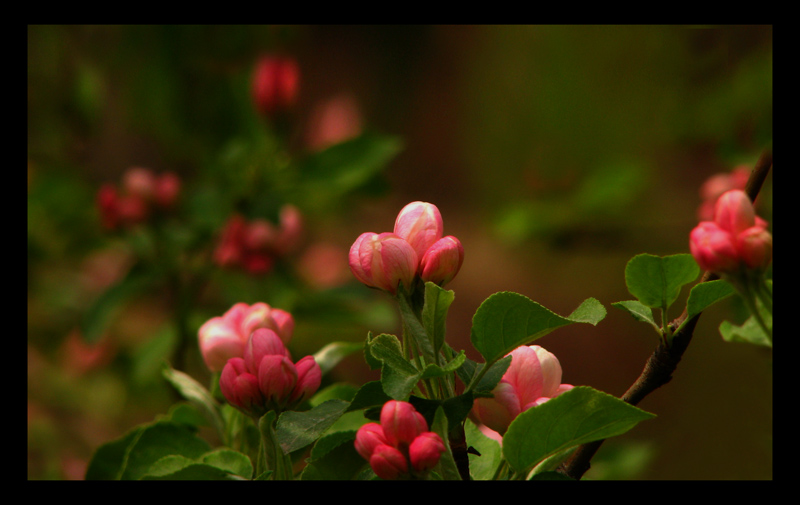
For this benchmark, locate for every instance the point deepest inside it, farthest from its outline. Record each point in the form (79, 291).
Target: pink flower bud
(140, 182)
(219, 341)
(309, 377)
(442, 260)
(420, 224)
(755, 247)
(262, 342)
(167, 189)
(387, 462)
(425, 451)
(259, 235)
(277, 377)
(734, 211)
(383, 261)
(533, 377)
(401, 423)
(291, 229)
(713, 248)
(261, 315)
(368, 437)
(241, 388)
(107, 198)
(131, 209)
(275, 84)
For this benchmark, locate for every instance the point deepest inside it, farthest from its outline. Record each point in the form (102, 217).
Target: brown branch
(662, 363)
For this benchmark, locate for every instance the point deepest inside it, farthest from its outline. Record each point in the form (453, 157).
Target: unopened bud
(383, 261)
(442, 261)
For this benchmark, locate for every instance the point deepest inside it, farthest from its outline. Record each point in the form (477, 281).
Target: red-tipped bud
(388, 463)
(714, 248)
(309, 377)
(262, 342)
(275, 84)
(425, 451)
(277, 377)
(383, 261)
(734, 212)
(401, 422)
(167, 189)
(368, 437)
(290, 231)
(140, 182)
(219, 341)
(420, 224)
(442, 260)
(755, 247)
(241, 388)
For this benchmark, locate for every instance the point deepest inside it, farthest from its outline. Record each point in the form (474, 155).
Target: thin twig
(662, 363)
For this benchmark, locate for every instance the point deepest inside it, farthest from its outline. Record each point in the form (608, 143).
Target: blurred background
(555, 154)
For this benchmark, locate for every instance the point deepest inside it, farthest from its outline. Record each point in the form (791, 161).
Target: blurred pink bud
(259, 235)
(420, 224)
(261, 315)
(425, 451)
(275, 84)
(140, 182)
(714, 248)
(219, 341)
(131, 209)
(734, 211)
(755, 247)
(334, 121)
(107, 198)
(240, 387)
(257, 263)
(533, 377)
(387, 462)
(442, 260)
(401, 423)
(323, 265)
(167, 189)
(290, 231)
(383, 261)
(718, 184)
(368, 437)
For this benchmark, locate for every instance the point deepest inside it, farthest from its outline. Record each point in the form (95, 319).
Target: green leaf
(579, 416)
(417, 330)
(656, 281)
(176, 467)
(446, 467)
(341, 462)
(706, 294)
(369, 395)
(482, 467)
(330, 355)
(748, 333)
(230, 461)
(131, 456)
(434, 313)
(398, 375)
(432, 371)
(506, 320)
(298, 429)
(639, 311)
(198, 395)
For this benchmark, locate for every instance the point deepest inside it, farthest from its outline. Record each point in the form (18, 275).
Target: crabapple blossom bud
(131, 209)
(107, 198)
(442, 260)
(309, 377)
(533, 377)
(734, 211)
(368, 437)
(425, 451)
(383, 261)
(219, 341)
(277, 377)
(283, 324)
(419, 223)
(275, 84)
(262, 342)
(241, 388)
(713, 248)
(291, 229)
(401, 423)
(387, 462)
(261, 315)
(259, 234)
(755, 247)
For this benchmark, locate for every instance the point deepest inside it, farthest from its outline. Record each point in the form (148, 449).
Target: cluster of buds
(533, 377)
(265, 378)
(401, 445)
(718, 184)
(416, 248)
(736, 240)
(275, 84)
(142, 193)
(254, 245)
(224, 337)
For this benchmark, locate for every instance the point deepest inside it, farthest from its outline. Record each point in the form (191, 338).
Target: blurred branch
(662, 363)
